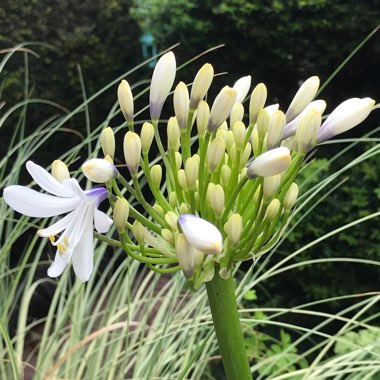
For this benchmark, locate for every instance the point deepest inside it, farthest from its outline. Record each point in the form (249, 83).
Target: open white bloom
(76, 228)
(201, 234)
(347, 115)
(162, 82)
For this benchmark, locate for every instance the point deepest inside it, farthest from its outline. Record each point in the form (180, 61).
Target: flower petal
(57, 227)
(32, 203)
(46, 181)
(59, 264)
(83, 256)
(102, 221)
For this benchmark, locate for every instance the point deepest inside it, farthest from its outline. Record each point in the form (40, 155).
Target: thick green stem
(221, 295)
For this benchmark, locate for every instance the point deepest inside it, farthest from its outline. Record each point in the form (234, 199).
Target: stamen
(52, 238)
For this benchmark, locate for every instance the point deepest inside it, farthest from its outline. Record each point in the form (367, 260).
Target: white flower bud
(161, 84)
(125, 98)
(181, 104)
(221, 108)
(191, 172)
(156, 174)
(270, 186)
(302, 98)
(138, 232)
(201, 84)
(273, 209)
(181, 176)
(239, 133)
(215, 153)
(173, 133)
(184, 208)
(201, 234)
(225, 174)
(120, 214)
(291, 128)
(256, 104)
(262, 123)
(203, 114)
(107, 141)
(171, 219)
(234, 228)
(242, 87)
(185, 255)
(59, 171)
(291, 196)
(237, 114)
(215, 198)
(276, 129)
(132, 151)
(347, 115)
(270, 163)
(147, 135)
(167, 235)
(306, 135)
(99, 170)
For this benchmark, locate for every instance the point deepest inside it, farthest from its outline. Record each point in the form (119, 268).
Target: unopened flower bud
(273, 208)
(234, 228)
(59, 171)
(221, 108)
(161, 84)
(156, 174)
(120, 214)
(99, 170)
(173, 133)
(347, 115)
(239, 133)
(125, 98)
(303, 97)
(242, 87)
(159, 210)
(173, 199)
(191, 172)
(276, 129)
(291, 197)
(225, 174)
(270, 186)
(184, 208)
(291, 128)
(132, 151)
(306, 135)
(138, 232)
(167, 235)
(203, 115)
(178, 159)
(181, 104)
(237, 114)
(257, 102)
(171, 219)
(201, 84)
(185, 255)
(107, 141)
(270, 163)
(262, 124)
(215, 198)
(215, 153)
(201, 234)
(245, 156)
(147, 135)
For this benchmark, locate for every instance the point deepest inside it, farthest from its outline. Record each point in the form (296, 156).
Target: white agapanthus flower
(75, 242)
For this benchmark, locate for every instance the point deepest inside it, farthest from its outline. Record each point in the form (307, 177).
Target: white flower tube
(201, 234)
(221, 108)
(99, 170)
(270, 163)
(242, 87)
(303, 97)
(75, 230)
(347, 115)
(162, 82)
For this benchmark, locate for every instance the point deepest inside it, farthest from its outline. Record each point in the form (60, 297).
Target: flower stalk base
(221, 295)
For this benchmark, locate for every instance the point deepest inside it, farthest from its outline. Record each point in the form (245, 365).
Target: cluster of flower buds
(224, 187)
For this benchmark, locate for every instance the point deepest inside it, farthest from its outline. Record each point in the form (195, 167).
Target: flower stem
(221, 296)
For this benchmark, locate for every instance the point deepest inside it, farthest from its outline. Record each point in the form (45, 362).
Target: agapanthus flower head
(75, 230)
